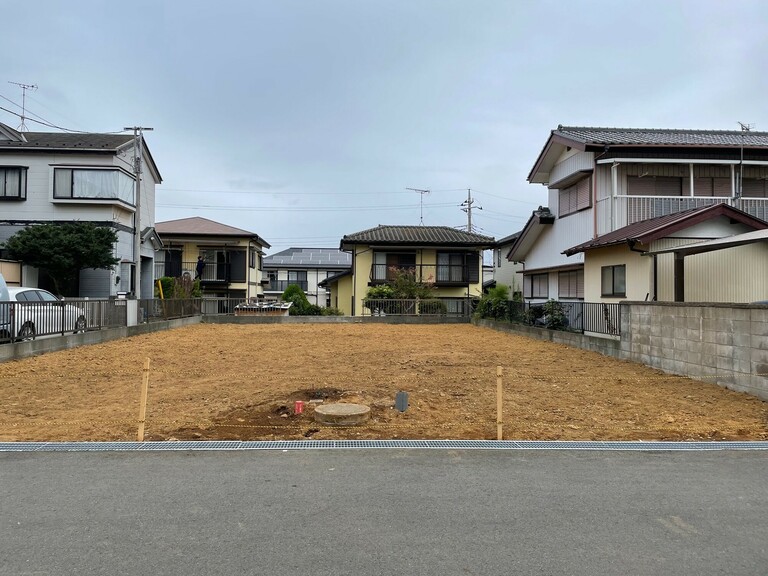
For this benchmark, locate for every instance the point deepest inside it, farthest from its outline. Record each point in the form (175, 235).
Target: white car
(31, 312)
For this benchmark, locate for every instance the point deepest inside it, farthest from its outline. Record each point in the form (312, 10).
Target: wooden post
(499, 417)
(143, 400)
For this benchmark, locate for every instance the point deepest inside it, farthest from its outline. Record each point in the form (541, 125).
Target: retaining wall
(42, 345)
(726, 344)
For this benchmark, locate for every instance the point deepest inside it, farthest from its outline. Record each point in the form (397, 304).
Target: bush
(494, 304)
(301, 306)
(331, 311)
(433, 307)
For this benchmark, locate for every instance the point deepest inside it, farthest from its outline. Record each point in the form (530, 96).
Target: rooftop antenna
(466, 206)
(744, 128)
(24, 88)
(421, 203)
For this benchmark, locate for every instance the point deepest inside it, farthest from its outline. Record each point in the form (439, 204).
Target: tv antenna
(24, 88)
(466, 206)
(744, 129)
(421, 203)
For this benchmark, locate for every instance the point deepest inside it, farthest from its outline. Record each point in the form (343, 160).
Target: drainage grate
(229, 445)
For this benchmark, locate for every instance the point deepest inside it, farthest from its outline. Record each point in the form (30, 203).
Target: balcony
(627, 210)
(442, 275)
(214, 272)
(281, 285)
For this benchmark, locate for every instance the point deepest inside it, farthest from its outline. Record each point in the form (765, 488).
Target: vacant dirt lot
(241, 382)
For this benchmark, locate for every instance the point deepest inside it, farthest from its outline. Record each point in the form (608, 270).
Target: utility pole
(24, 88)
(138, 144)
(421, 203)
(466, 206)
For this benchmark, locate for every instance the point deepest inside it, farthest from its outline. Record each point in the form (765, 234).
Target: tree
(301, 305)
(64, 249)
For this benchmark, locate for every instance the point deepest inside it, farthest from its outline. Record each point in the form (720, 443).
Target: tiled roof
(329, 258)
(198, 226)
(661, 137)
(59, 140)
(654, 228)
(508, 239)
(417, 236)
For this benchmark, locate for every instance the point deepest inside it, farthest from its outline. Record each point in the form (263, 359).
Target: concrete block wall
(726, 344)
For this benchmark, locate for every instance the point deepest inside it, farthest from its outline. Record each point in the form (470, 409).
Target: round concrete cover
(342, 414)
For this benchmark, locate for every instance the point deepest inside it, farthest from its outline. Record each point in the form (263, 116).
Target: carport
(680, 252)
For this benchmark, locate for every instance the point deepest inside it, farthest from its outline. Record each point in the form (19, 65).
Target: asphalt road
(387, 511)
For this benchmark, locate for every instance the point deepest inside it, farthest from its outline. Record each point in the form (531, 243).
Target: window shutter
(583, 196)
(473, 267)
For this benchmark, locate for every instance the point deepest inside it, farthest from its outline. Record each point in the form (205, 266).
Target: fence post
(499, 416)
(143, 400)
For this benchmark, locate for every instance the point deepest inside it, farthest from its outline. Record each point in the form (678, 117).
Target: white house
(307, 268)
(602, 180)
(48, 177)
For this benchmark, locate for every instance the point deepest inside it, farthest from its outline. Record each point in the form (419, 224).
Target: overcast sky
(302, 121)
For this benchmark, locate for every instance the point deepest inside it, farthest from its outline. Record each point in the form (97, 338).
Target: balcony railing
(630, 209)
(440, 275)
(281, 285)
(212, 272)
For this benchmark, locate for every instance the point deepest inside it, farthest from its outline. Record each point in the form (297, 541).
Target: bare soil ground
(241, 382)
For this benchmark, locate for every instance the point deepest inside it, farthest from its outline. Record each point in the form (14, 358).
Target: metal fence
(28, 320)
(457, 307)
(576, 316)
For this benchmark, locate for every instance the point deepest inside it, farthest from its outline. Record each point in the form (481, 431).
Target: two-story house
(230, 259)
(307, 268)
(446, 258)
(506, 273)
(608, 181)
(48, 177)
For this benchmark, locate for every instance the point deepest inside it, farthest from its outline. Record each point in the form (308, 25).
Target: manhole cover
(342, 414)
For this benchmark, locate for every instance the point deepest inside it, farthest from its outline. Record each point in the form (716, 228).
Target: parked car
(31, 312)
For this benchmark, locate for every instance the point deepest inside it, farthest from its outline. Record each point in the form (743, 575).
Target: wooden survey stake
(143, 400)
(499, 417)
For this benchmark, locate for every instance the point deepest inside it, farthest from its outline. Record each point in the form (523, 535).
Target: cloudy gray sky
(304, 120)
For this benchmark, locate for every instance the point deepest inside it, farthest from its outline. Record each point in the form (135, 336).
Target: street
(384, 511)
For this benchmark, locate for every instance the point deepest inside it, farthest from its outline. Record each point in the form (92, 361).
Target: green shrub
(433, 306)
(331, 311)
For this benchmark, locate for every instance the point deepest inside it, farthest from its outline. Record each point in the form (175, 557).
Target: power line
(298, 208)
(276, 193)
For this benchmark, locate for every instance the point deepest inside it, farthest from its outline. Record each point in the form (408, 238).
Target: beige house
(638, 262)
(231, 258)
(446, 258)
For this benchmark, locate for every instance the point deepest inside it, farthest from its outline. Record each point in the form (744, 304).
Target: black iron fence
(576, 316)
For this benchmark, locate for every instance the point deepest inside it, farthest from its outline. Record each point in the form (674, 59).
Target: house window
(252, 259)
(576, 197)
(614, 281)
(536, 285)
(385, 263)
(298, 277)
(13, 183)
(272, 277)
(93, 184)
(498, 257)
(450, 267)
(570, 284)
(654, 186)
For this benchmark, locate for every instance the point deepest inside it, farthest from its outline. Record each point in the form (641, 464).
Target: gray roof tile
(417, 236)
(662, 137)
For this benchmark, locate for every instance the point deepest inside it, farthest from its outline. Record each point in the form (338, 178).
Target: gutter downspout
(614, 187)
